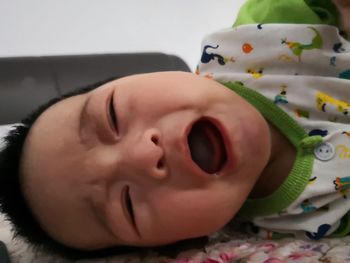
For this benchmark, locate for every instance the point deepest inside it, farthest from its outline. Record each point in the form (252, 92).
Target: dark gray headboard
(26, 82)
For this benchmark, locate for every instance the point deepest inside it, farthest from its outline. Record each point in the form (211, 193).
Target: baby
(151, 159)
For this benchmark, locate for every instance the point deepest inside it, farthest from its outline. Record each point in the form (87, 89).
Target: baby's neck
(281, 161)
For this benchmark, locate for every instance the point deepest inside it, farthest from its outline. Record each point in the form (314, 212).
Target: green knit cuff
(344, 228)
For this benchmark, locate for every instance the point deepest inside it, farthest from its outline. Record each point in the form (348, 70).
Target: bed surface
(224, 248)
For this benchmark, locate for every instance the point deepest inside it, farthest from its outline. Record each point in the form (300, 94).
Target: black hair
(14, 206)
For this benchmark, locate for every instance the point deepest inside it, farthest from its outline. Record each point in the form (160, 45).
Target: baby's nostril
(154, 139)
(160, 164)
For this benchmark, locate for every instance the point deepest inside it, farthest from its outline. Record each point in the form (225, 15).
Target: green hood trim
(301, 171)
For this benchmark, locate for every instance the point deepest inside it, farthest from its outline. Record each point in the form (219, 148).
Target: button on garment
(324, 152)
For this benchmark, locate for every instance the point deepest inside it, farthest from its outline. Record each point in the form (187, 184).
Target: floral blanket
(223, 248)
(254, 251)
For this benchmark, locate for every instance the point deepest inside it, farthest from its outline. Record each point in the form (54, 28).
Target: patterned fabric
(224, 248)
(239, 248)
(297, 76)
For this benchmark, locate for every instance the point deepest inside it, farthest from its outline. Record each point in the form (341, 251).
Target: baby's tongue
(206, 146)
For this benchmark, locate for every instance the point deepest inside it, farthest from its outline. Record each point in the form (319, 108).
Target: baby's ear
(343, 7)
(342, 3)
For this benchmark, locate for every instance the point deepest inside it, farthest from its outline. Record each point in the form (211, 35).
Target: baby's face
(144, 160)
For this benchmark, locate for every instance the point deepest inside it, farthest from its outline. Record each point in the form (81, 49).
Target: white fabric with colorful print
(305, 71)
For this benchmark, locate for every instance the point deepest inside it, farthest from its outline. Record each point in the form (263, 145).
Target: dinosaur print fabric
(297, 75)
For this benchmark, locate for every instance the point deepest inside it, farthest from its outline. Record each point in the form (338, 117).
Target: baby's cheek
(196, 214)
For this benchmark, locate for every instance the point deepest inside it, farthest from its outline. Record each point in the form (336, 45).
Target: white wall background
(56, 27)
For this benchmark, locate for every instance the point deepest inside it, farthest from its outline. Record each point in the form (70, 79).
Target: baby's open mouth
(207, 147)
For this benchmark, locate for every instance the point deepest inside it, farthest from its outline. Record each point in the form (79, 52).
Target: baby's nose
(148, 154)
